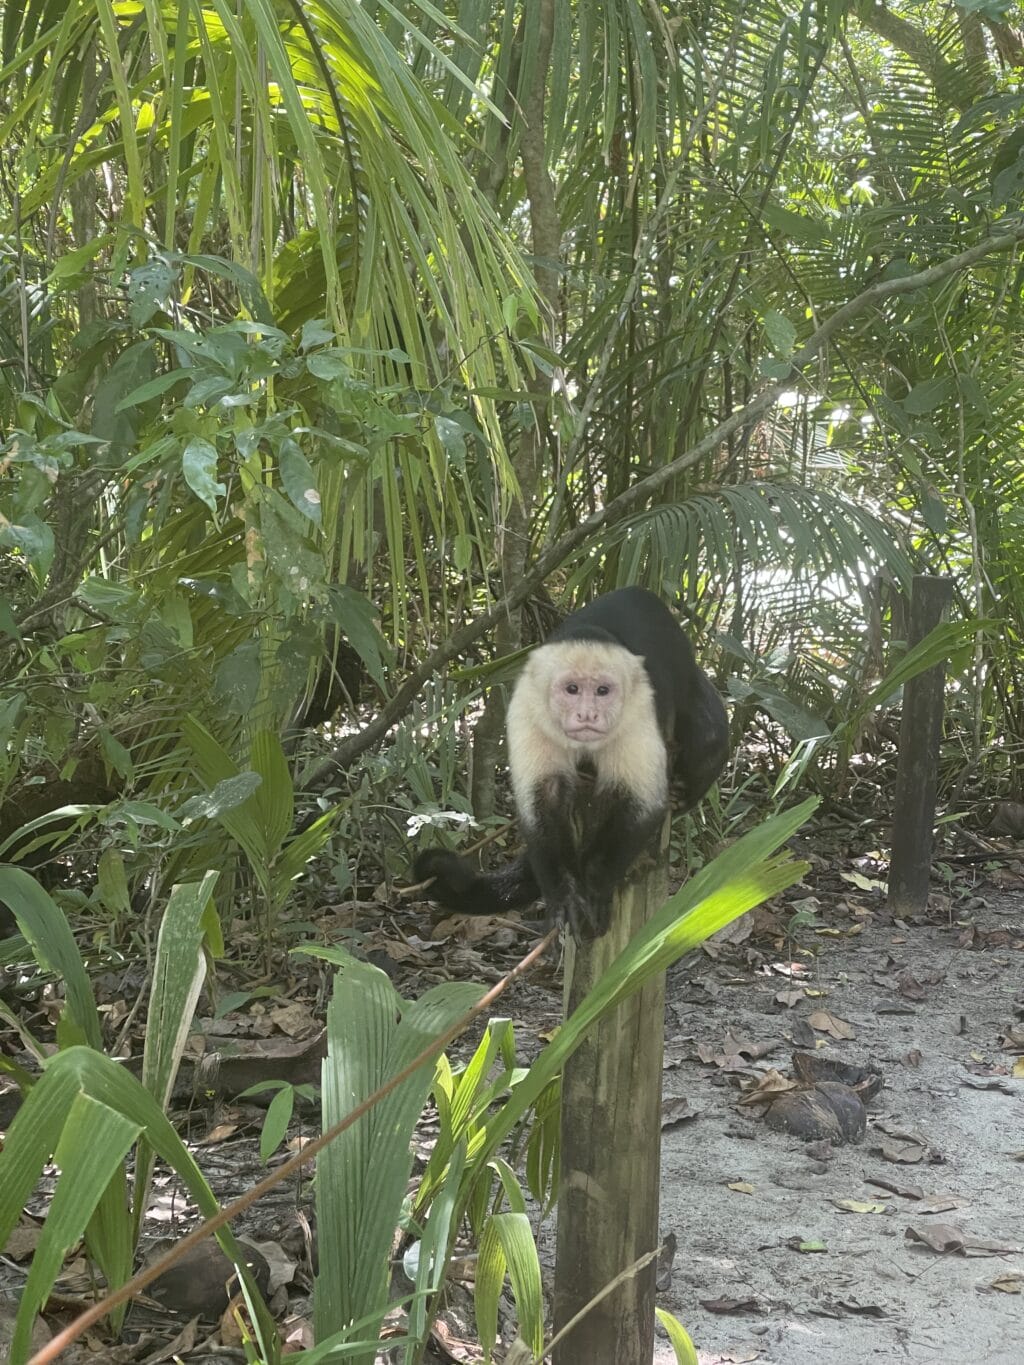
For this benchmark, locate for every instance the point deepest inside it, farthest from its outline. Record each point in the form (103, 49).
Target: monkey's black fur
(583, 835)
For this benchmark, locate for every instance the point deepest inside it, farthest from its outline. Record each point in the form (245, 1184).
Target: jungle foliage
(342, 342)
(326, 328)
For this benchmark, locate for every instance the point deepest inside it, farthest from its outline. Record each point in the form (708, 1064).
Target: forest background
(327, 328)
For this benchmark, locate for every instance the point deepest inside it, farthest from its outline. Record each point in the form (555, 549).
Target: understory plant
(87, 1113)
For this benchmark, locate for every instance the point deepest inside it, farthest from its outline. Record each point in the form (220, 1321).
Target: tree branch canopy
(1011, 233)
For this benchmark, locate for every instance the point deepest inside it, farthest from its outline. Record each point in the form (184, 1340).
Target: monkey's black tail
(459, 886)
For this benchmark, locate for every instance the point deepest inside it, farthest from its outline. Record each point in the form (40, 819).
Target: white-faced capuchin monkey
(604, 716)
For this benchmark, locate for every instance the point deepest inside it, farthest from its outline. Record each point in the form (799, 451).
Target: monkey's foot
(586, 914)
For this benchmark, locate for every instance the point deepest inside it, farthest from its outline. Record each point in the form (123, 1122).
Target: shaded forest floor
(907, 1246)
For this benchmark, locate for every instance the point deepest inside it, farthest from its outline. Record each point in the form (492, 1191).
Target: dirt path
(931, 1007)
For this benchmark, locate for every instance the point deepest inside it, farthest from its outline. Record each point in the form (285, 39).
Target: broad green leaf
(356, 616)
(116, 601)
(44, 926)
(361, 1178)
(507, 1245)
(150, 288)
(238, 676)
(112, 882)
(780, 332)
(794, 225)
(178, 974)
(12, 713)
(299, 481)
(432, 1260)
(31, 538)
(145, 813)
(116, 755)
(743, 876)
(199, 466)
(216, 765)
(274, 799)
(462, 552)
(76, 261)
(91, 1146)
(227, 795)
(8, 623)
(936, 647)
(926, 397)
(315, 332)
(153, 388)
(276, 1121)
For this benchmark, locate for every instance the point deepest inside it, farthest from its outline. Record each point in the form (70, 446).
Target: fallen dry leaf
(734, 1053)
(902, 1147)
(765, 1088)
(941, 1237)
(863, 883)
(219, 1133)
(938, 1203)
(831, 1024)
(294, 1020)
(910, 987)
(791, 969)
(838, 1308)
(803, 1036)
(859, 1206)
(737, 932)
(945, 1238)
(676, 1110)
(1009, 1282)
(727, 1305)
(896, 1187)
(789, 998)
(296, 1335)
(903, 1153)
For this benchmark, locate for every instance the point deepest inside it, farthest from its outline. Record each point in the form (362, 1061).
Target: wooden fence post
(611, 1146)
(917, 774)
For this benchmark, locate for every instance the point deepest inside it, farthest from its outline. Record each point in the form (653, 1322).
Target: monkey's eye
(572, 689)
(603, 689)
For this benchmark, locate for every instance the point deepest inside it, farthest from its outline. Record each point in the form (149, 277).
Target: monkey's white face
(586, 706)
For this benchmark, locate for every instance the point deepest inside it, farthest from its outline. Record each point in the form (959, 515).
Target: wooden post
(917, 774)
(611, 1146)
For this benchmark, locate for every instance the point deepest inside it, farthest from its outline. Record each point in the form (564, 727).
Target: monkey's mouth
(584, 734)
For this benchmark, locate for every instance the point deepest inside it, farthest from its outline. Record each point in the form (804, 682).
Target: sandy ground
(931, 1006)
